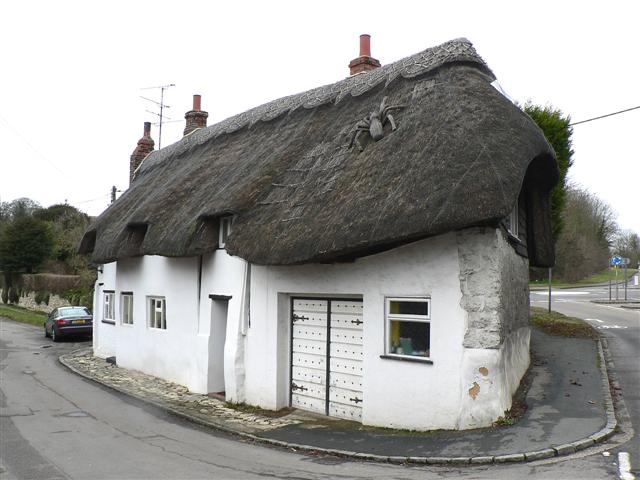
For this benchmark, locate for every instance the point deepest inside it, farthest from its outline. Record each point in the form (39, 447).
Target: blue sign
(616, 260)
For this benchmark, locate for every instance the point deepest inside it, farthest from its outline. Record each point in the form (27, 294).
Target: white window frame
(126, 307)
(406, 317)
(224, 230)
(108, 306)
(155, 306)
(513, 221)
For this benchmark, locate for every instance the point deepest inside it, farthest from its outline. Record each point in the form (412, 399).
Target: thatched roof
(302, 191)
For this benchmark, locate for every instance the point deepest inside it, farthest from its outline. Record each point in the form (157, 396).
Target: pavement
(569, 408)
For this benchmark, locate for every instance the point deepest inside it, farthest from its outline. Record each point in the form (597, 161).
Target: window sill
(408, 359)
(110, 322)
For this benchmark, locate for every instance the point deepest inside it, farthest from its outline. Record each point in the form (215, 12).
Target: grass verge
(558, 324)
(600, 277)
(23, 315)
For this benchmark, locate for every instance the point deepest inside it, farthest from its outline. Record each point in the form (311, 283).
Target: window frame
(513, 220)
(124, 312)
(108, 306)
(389, 317)
(224, 230)
(152, 309)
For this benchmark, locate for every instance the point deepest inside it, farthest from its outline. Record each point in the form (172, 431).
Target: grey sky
(72, 73)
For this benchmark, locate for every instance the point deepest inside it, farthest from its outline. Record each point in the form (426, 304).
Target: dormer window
(512, 221)
(225, 230)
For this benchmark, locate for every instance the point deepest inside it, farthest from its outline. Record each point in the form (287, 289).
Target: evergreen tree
(25, 242)
(555, 126)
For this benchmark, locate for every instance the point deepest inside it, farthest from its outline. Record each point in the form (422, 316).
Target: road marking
(556, 292)
(624, 467)
(602, 327)
(594, 320)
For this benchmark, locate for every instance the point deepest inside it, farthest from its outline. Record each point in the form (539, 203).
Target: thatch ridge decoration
(457, 50)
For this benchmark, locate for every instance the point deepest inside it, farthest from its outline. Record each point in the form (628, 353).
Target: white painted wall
(396, 393)
(185, 352)
(256, 354)
(104, 335)
(223, 275)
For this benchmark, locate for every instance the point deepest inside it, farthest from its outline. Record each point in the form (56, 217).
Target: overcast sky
(73, 74)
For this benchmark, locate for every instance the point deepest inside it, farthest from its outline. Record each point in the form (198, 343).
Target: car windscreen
(73, 312)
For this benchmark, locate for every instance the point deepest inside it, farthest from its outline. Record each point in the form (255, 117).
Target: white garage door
(326, 363)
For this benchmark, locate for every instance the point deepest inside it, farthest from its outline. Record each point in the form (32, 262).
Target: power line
(94, 199)
(603, 116)
(36, 151)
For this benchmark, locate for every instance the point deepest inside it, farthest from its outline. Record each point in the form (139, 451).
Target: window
(408, 326)
(512, 221)
(225, 230)
(127, 308)
(157, 313)
(108, 305)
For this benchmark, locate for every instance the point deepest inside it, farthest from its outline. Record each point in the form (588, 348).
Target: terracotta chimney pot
(365, 61)
(195, 118)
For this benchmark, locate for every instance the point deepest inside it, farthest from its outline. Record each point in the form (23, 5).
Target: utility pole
(161, 105)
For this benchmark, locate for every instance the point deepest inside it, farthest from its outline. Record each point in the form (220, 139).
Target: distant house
(326, 252)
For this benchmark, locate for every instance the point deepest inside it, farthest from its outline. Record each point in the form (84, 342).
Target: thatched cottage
(360, 250)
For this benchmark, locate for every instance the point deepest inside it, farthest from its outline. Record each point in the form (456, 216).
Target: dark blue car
(65, 321)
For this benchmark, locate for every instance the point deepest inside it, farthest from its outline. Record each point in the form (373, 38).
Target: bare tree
(590, 228)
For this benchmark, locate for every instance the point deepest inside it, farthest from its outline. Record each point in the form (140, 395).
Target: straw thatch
(301, 191)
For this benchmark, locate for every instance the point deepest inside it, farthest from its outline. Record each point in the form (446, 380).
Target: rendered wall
(396, 393)
(495, 297)
(104, 335)
(181, 352)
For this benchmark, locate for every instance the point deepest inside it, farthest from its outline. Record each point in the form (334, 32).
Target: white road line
(594, 320)
(556, 292)
(624, 467)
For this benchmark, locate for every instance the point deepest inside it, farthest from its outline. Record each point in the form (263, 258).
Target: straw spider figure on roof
(374, 123)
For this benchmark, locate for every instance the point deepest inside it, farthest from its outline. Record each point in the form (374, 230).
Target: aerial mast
(161, 105)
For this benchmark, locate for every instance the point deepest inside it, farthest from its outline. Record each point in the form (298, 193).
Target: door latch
(355, 400)
(357, 321)
(298, 387)
(298, 317)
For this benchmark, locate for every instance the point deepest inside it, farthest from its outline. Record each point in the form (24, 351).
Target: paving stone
(540, 454)
(565, 449)
(482, 460)
(582, 444)
(516, 457)
(417, 459)
(177, 397)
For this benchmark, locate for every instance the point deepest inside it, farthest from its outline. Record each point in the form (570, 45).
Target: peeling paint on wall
(474, 391)
(484, 371)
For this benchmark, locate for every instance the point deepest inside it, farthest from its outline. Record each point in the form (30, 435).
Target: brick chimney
(364, 62)
(144, 148)
(195, 118)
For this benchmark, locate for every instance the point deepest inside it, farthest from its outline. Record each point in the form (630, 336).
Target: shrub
(14, 295)
(80, 296)
(5, 295)
(42, 297)
(39, 298)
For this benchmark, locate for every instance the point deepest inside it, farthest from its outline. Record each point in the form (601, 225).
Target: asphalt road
(56, 425)
(621, 328)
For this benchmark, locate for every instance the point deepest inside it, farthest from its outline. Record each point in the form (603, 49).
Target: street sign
(616, 260)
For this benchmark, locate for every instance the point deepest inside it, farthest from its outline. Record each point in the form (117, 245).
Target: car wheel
(54, 336)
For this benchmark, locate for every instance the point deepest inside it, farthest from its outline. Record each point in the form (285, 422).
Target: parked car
(65, 321)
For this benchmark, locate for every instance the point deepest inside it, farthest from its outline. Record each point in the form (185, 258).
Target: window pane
(408, 308)
(410, 338)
